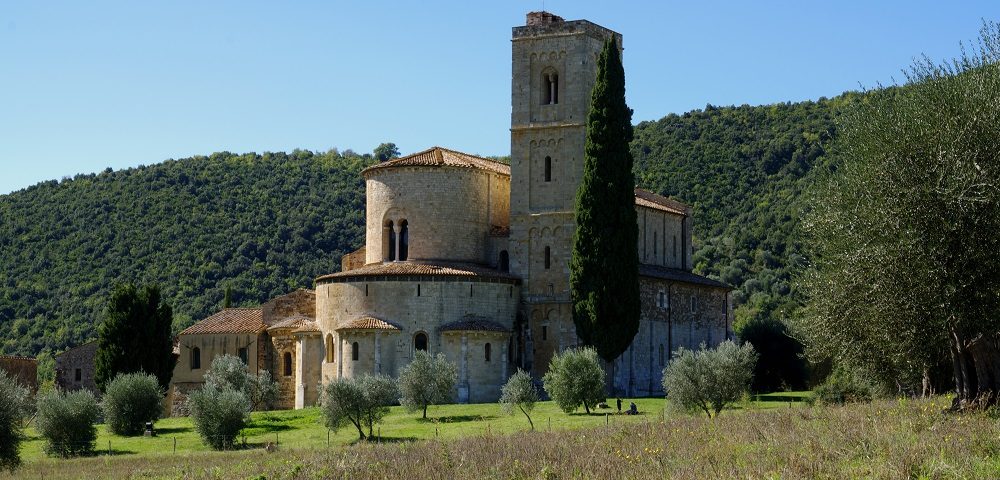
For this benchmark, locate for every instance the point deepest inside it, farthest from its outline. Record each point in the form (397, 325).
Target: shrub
(709, 379)
(361, 401)
(218, 414)
(229, 371)
(13, 406)
(575, 376)
(520, 392)
(66, 422)
(426, 380)
(844, 386)
(131, 400)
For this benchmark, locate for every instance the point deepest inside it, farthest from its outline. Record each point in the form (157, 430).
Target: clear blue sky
(96, 84)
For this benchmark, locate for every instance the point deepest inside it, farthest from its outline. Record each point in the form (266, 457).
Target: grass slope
(885, 439)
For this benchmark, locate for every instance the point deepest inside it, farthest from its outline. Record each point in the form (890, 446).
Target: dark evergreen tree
(604, 270)
(135, 336)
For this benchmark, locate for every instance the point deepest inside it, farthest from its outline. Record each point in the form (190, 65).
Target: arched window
(329, 348)
(486, 351)
(404, 240)
(389, 242)
(548, 169)
(195, 358)
(354, 351)
(288, 364)
(550, 87)
(504, 262)
(548, 257)
(420, 341)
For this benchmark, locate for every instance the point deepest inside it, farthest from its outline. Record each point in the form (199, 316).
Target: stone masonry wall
(69, 362)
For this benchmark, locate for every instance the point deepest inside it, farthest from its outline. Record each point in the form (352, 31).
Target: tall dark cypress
(604, 270)
(135, 336)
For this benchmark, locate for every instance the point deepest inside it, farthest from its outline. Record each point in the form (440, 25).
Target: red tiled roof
(437, 156)
(417, 268)
(645, 198)
(473, 323)
(367, 322)
(18, 357)
(298, 323)
(230, 320)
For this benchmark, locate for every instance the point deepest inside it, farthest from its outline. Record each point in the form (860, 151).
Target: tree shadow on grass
(255, 429)
(171, 430)
(457, 419)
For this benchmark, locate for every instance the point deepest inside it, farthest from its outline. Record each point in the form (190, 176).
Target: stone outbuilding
(75, 368)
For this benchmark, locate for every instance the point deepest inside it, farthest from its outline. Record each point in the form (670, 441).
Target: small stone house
(75, 368)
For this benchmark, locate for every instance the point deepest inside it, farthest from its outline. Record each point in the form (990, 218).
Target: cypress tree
(135, 336)
(604, 269)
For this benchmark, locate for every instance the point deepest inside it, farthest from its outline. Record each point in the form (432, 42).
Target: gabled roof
(436, 157)
(673, 274)
(645, 198)
(230, 320)
(389, 269)
(472, 323)
(367, 322)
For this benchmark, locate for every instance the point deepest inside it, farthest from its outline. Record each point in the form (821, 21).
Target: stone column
(463, 371)
(340, 355)
(378, 353)
(300, 381)
(397, 231)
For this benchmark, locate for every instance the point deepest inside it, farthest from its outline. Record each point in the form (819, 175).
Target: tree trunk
(976, 364)
(425, 411)
(361, 432)
(529, 418)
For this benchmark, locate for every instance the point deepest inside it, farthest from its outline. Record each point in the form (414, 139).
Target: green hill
(266, 224)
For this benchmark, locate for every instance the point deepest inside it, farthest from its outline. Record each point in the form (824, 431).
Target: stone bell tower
(553, 73)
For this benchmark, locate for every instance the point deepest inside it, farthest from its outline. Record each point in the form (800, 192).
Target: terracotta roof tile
(296, 323)
(645, 198)
(473, 323)
(419, 268)
(230, 320)
(367, 322)
(437, 156)
(18, 357)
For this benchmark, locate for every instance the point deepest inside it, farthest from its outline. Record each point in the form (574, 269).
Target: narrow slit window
(545, 332)
(288, 364)
(404, 240)
(655, 245)
(548, 169)
(548, 257)
(330, 348)
(195, 358)
(389, 230)
(418, 289)
(487, 352)
(79, 375)
(354, 351)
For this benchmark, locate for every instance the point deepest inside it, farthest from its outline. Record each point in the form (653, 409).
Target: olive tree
(13, 405)
(218, 414)
(904, 230)
(709, 379)
(427, 380)
(131, 400)
(229, 371)
(362, 402)
(519, 392)
(66, 422)
(575, 377)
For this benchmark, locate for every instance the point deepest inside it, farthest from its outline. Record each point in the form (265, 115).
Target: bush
(229, 371)
(66, 422)
(13, 406)
(425, 381)
(709, 379)
(361, 401)
(844, 386)
(131, 400)
(520, 392)
(218, 414)
(575, 376)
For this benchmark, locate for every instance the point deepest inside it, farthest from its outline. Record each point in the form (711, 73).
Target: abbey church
(469, 257)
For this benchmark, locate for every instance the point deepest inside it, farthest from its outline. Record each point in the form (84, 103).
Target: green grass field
(305, 429)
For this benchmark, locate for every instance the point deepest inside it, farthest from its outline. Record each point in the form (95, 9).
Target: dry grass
(887, 439)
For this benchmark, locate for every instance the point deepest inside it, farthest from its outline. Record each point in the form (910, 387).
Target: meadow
(778, 437)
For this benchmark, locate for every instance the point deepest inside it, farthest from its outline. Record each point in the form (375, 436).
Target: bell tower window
(548, 169)
(404, 240)
(550, 87)
(389, 242)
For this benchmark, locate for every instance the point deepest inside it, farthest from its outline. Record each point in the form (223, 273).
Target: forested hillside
(262, 224)
(267, 224)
